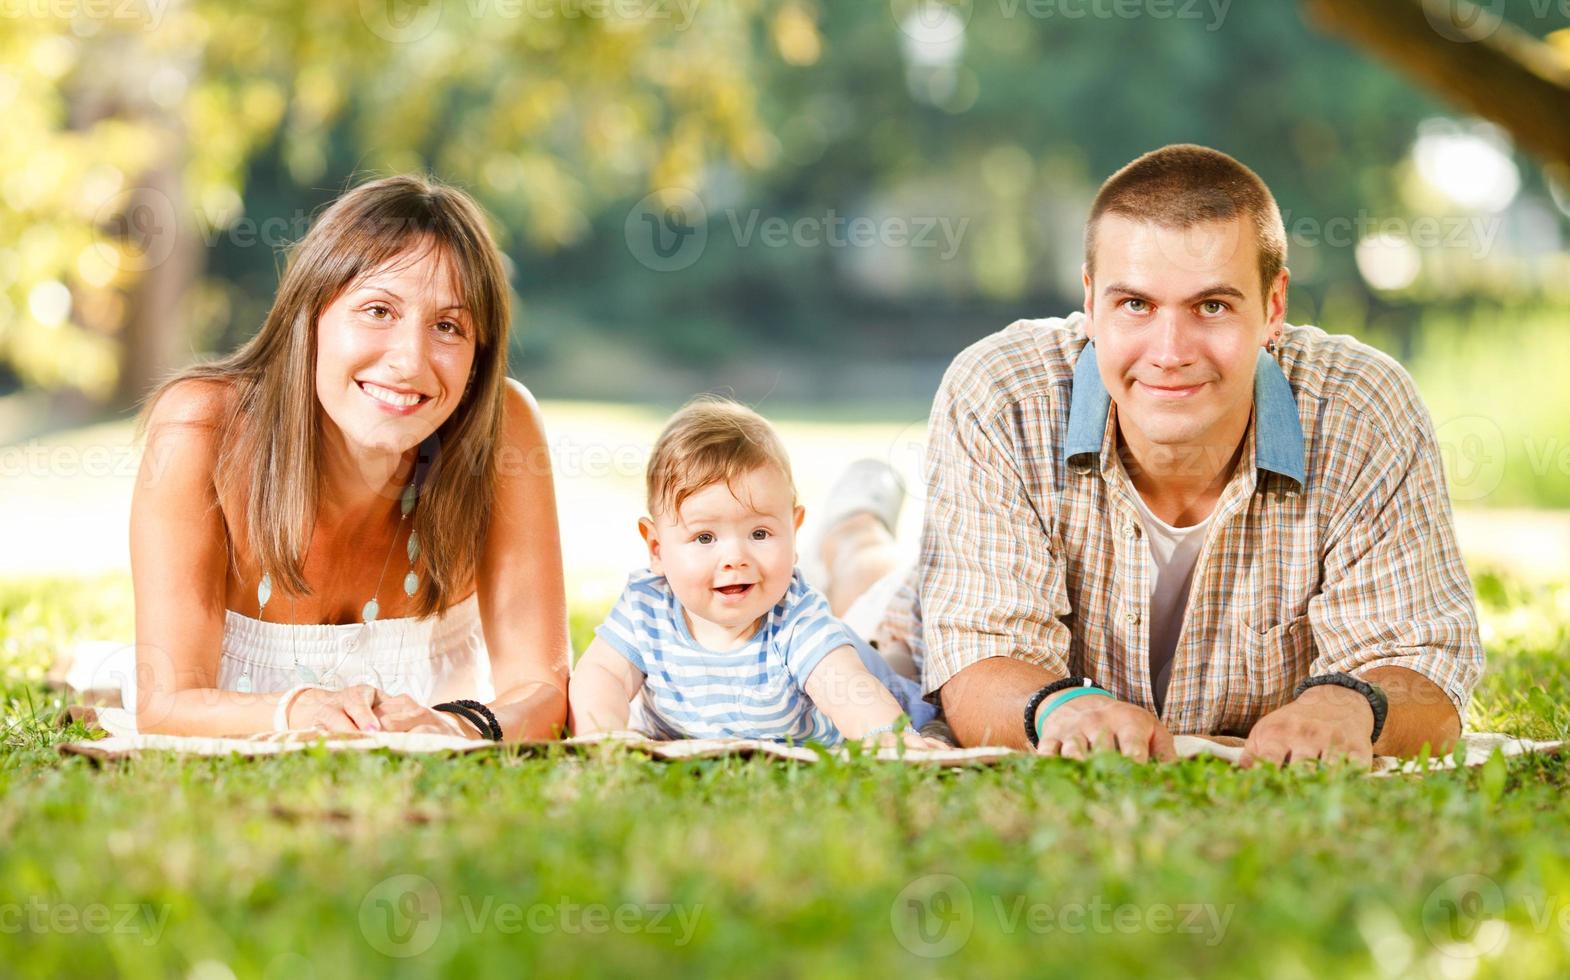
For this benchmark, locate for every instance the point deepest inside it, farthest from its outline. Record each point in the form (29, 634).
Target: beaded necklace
(368, 612)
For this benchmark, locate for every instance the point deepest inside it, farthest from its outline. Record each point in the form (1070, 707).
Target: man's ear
(1276, 302)
(1090, 301)
(651, 537)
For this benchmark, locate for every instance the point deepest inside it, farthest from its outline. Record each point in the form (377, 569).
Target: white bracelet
(881, 729)
(281, 714)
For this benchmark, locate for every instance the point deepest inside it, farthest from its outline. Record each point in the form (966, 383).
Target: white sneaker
(867, 486)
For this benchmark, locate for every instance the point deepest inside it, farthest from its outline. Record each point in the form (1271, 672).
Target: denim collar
(1278, 442)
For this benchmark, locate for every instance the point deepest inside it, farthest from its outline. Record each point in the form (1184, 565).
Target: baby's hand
(909, 738)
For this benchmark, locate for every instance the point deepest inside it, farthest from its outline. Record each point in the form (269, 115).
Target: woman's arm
(179, 555)
(523, 602)
(603, 686)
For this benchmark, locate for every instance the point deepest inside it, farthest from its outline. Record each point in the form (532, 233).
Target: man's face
(1179, 316)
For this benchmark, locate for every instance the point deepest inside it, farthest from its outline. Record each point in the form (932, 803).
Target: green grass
(321, 865)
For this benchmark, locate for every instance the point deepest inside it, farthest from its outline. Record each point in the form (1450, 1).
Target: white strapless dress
(438, 659)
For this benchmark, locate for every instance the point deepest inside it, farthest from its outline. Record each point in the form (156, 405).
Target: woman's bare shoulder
(185, 430)
(192, 402)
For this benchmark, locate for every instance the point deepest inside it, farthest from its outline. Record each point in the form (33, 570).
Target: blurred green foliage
(791, 115)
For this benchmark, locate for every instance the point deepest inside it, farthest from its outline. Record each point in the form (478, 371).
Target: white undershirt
(1173, 553)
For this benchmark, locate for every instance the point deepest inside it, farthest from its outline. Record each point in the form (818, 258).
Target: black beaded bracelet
(478, 715)
(1041, 695)
(467, 714)
(1373, 692)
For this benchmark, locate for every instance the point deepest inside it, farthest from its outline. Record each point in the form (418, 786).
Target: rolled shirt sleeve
(1395, 591)
(990, 582)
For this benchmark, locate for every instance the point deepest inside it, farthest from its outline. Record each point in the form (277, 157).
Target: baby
(720, 636)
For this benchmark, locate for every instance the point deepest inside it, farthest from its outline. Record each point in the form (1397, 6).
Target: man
(1177, 514)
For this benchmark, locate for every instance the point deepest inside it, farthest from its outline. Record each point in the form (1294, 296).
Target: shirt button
(1130, 531)
(1132, 617)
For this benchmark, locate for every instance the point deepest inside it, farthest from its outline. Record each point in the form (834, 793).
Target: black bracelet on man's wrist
(1041, 695)
(477, 714)
(1373, 692)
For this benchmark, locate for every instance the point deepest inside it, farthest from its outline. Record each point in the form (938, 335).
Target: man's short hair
(1183, 185)
(711, 440)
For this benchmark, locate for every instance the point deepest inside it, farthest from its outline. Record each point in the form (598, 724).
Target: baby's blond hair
(710, 440)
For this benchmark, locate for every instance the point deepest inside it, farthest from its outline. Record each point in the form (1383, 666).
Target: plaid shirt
(1334, 552)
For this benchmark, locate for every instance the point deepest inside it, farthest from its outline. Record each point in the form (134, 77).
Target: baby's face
(728, 553)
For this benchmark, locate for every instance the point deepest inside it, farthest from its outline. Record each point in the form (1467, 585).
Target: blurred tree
(159, 165)
(1474, 58)
(134, 128)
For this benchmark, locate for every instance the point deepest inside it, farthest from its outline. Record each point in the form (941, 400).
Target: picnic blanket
(1480, 746)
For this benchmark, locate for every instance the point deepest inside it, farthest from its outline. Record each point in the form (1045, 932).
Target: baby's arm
(601, 690)
(857, 702)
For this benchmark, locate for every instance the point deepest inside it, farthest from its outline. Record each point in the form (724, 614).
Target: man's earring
(1270, 347)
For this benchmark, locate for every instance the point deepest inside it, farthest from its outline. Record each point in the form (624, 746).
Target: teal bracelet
(1063, 699)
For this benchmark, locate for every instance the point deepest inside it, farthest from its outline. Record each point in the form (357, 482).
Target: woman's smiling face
(394, 352)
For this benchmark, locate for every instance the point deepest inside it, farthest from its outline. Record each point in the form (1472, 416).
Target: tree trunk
(1470, 56)
(154, 331)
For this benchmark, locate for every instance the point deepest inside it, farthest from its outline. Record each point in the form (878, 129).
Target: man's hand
(1326, 723)
(1096, 721)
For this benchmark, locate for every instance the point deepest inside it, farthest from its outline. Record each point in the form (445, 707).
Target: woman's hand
(352, 709)
(401, 713)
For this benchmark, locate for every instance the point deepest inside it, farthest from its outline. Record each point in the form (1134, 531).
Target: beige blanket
(1479, 747)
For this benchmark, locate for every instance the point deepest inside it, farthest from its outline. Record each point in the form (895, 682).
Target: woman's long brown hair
(271, 432)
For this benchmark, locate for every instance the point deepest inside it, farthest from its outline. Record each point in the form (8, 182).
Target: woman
(351, 518)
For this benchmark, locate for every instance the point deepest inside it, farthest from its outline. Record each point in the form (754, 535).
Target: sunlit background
(811, 206)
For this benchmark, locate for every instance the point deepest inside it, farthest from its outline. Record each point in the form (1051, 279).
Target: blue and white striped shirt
(757, 690)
